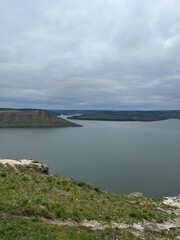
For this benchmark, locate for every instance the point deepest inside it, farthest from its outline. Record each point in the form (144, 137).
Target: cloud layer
(98, 54)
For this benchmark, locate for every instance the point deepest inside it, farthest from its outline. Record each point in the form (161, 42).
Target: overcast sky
(90, 54)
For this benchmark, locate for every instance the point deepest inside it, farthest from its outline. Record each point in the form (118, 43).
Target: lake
(119, 157)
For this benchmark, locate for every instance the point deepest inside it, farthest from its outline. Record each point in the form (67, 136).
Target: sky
(90, 54)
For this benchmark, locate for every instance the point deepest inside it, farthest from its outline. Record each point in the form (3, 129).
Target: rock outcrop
(172, 201)
(36, 165)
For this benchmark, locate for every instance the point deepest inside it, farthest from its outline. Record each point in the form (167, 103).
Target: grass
(26, 229)
(27, 197)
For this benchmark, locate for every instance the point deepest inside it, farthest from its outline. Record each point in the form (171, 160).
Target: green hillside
(144, 116)
(40, 206)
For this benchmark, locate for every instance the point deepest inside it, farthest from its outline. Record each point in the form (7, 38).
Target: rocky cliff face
(35, 165)
(32, 118)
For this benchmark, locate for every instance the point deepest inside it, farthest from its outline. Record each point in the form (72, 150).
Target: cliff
(32, 118)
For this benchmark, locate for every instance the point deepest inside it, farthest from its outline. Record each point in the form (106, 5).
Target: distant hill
(32, 118)
(127, 115)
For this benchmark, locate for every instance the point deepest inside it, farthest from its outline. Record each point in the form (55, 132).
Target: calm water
(120, 157)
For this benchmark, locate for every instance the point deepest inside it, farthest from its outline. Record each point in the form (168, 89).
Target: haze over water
(119, 157)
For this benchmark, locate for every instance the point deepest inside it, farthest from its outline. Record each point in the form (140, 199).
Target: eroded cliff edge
(32, 118)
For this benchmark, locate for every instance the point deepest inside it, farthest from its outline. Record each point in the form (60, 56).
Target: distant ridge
(134, 115)
(32, 118)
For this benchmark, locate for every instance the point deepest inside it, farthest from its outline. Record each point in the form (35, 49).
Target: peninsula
(32, 118)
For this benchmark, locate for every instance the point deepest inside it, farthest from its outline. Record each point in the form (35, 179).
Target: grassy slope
(29, 199)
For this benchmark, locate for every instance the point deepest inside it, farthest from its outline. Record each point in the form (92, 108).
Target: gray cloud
(115, 54)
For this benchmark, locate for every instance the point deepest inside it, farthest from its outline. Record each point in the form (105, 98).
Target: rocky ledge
(172, 201)
(36, 165)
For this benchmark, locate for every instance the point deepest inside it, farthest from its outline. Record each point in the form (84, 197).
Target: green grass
(27, 197)
(27, 229)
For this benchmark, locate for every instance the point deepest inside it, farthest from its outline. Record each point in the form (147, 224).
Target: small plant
(81, 184)
(97, 189)
(35, 161)
(61, 213)
(3, 174)
(25, 178)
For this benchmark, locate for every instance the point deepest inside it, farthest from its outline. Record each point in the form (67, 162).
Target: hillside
(39, 206)
(32, 118)
(127, 115)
